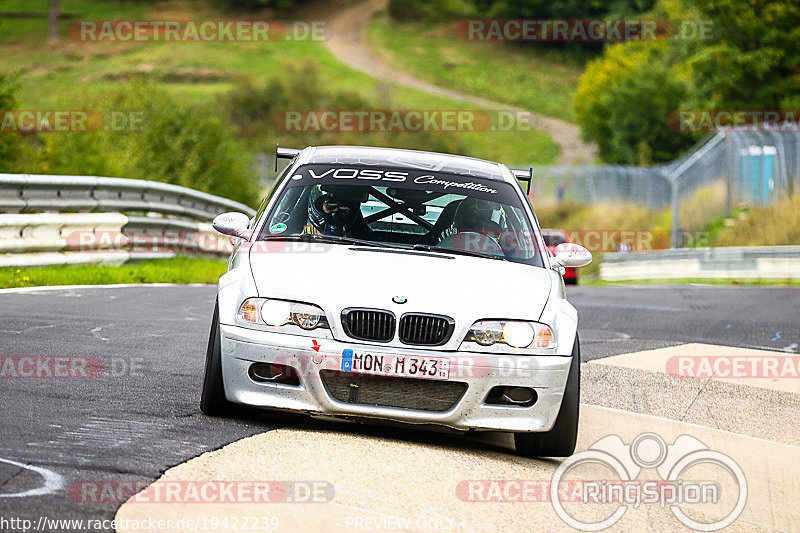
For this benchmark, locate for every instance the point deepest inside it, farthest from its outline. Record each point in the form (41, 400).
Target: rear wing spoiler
(525, 176)
(284, 153)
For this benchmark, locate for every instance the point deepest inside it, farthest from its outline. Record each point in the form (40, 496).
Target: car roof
(401, 158)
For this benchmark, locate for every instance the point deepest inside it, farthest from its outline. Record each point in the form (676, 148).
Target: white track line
(53, 482)
(44, 288)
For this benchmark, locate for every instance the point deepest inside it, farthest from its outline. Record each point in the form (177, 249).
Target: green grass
(697, 281)
(524, 76)
(176, 270)
(52, 76)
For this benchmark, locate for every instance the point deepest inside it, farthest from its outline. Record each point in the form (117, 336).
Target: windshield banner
(423, 180)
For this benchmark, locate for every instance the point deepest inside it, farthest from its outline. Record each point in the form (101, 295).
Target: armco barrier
(757, 262)
(51, 220)
(28, 193)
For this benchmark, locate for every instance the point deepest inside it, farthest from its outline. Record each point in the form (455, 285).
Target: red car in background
(552, 238)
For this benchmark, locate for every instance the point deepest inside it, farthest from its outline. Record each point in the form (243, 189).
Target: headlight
(278, 313)
(515, 333)
(486, 332)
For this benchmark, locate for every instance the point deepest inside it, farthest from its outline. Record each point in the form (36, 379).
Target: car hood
(337, 276)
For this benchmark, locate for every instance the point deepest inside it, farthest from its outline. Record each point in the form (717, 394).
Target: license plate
(395, 365)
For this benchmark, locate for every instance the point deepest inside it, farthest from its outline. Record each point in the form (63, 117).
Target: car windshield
(422, 209)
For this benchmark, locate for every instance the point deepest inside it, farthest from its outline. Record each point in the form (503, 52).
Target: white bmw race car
(409, 286)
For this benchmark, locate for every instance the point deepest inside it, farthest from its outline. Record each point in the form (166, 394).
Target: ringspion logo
(692, 476)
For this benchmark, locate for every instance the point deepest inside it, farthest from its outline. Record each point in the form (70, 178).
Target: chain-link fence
(728, 169)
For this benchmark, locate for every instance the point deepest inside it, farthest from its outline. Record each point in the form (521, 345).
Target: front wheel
(212, 399)
(559, 441)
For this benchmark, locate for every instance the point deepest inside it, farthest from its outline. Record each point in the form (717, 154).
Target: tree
(752, 62)
(643, 137)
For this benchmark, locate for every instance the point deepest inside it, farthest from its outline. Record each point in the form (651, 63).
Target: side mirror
(571, 255)
(235, 224)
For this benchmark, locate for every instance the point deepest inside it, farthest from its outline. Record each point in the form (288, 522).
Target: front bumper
(242, 347)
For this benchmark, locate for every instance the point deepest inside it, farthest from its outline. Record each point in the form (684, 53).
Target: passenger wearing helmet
(473, 228)
(475, 215)
(329, 213)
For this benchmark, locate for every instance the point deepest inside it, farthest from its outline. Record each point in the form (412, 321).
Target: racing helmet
(331, 213)
(474, 214)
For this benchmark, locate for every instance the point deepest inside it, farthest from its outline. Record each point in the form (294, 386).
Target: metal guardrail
(29, 193)
(51, 220)
(735, 167)
(756, 262)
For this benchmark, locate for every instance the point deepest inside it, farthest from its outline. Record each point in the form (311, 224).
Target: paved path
(348, 44)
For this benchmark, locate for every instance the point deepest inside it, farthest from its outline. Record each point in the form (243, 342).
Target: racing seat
(445, 221)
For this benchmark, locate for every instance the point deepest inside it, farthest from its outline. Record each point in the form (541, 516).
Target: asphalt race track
(146, 347)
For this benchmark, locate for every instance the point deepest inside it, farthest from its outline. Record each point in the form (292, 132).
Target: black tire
(212, 399)
(559, 441)
(571, 281)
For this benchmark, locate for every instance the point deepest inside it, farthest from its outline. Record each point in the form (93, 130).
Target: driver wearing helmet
(329, 214)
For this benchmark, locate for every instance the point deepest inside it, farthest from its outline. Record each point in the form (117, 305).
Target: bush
(9, 140)
(775, 225)
(408, 10)
(255, 111)
(173, 143)
(432, 10)
(699, 209)
(561, 9)
(601, 76)
(257, 5)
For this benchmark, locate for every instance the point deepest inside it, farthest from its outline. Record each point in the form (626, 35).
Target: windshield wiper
(456, 251)
(336, 239)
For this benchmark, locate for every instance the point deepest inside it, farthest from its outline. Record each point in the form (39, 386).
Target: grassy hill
(530, 77)
(199, 73)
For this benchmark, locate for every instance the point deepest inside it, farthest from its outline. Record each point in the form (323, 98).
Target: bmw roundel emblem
(399, 299)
